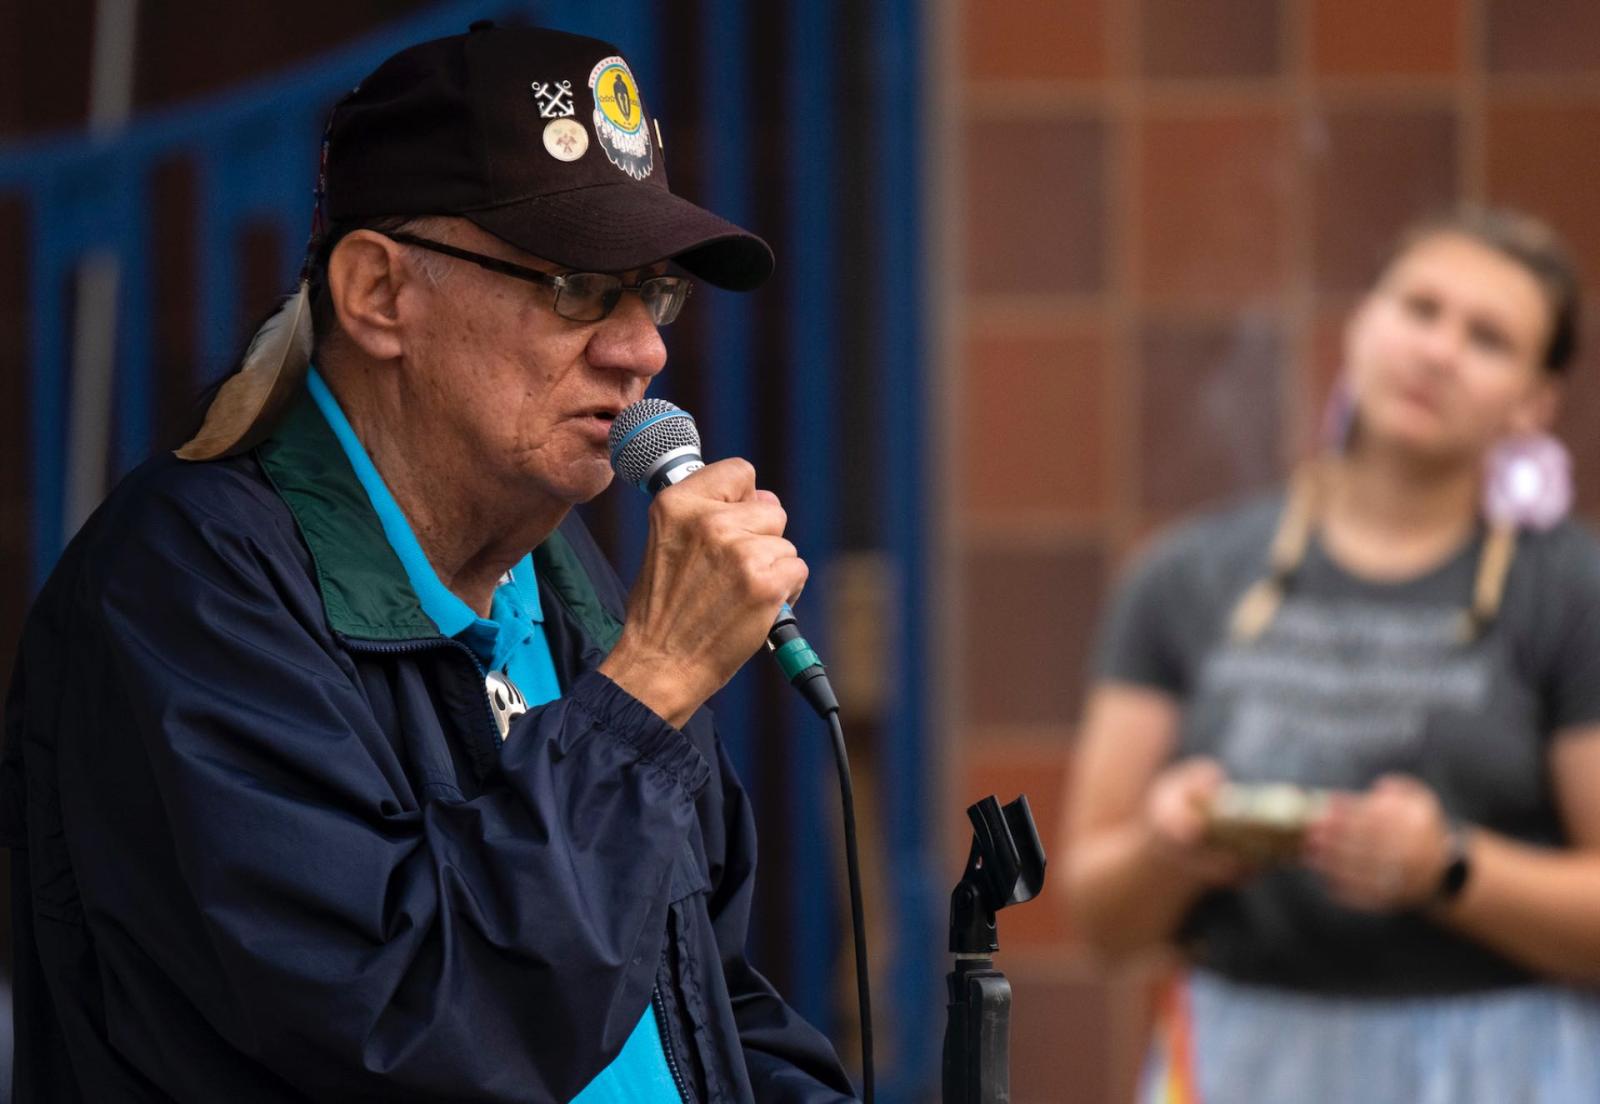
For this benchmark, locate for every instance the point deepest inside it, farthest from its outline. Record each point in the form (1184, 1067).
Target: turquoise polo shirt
(512, 640)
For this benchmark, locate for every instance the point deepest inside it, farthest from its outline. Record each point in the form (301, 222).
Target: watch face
(1454, 878)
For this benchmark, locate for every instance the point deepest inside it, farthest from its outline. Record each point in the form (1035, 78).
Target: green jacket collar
(364, 587)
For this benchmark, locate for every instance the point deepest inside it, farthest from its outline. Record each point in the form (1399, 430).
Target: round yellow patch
(617, 97)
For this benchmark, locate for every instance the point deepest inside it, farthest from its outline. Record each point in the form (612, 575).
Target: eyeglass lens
(590, 296)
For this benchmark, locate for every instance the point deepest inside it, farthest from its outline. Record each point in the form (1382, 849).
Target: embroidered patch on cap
(619, 121)
(555, 99)
(565, 139)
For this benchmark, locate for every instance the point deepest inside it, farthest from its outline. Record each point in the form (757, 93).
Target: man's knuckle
(719, 528)
(666, 504)
(754, 563)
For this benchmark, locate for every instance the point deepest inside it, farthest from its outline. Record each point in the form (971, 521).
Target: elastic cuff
(633, 722)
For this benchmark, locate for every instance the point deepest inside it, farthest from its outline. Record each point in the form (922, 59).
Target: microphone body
(655, 444)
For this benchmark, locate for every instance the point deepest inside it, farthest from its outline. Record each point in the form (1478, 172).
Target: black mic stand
(1005, 867)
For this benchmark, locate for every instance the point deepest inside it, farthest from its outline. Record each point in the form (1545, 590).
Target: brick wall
(1163, 210)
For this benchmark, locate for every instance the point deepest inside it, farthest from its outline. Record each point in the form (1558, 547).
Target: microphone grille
(645, 432)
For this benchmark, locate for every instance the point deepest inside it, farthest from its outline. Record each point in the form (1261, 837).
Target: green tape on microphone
(796, 656)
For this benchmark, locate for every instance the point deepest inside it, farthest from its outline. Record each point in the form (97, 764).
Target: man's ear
(365, 274)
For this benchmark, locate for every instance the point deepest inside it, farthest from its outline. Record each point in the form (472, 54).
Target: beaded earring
(1527, 481)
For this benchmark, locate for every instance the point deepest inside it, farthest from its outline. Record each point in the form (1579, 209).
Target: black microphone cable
(654, 444)
(857, 920)
(805, 672)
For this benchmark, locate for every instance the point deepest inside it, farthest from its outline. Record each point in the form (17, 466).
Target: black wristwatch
(1457, 866)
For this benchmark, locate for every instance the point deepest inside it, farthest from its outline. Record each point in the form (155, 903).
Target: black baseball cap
(539, 137)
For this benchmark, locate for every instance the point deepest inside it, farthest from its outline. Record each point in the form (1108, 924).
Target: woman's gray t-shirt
(1351, 681)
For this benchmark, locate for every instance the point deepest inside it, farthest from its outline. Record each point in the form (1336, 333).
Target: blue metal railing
(255, 149)
(810, 398)
(254, 154)
(916, 884)
(731, 346)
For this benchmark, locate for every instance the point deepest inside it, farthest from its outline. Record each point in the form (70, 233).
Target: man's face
(520, 397)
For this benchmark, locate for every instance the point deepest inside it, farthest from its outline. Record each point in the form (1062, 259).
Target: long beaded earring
(1527, 481)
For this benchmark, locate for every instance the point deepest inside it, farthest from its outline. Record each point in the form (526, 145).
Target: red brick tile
(1006, 769)
(1374, 37)
(1327, 349)
(1150, 528)
(1036, 205)
(1034, 39)
(1543, 36)
(1071, 1039)
(1580, 415)
(1034, 438)
(1545, 159)
(1211, 201)
(1029, 619)
(1218, 38)
(1374, 171)
(1326, 359)
(1210, 410)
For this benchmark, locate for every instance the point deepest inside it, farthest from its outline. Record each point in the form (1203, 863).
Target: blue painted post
(218, 292)
(48, 270)
(916, 895)
(297, 156)
(727, 168)
(135, 383)
(810, 385)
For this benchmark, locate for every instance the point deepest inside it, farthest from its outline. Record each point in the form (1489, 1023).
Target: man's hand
(716, 570)
(1383, 850)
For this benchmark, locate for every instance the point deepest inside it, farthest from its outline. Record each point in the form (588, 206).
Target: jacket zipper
(401, 647)
(666, 1045)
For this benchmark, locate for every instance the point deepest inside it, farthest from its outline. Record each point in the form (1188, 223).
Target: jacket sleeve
(358, 939)
(789, 1061)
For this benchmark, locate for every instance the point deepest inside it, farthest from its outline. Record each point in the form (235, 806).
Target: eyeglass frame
(535, 276)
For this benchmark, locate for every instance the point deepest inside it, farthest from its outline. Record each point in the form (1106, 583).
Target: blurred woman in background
(1415, 645)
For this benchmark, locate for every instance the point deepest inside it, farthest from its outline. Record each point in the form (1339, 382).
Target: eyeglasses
(580, 296)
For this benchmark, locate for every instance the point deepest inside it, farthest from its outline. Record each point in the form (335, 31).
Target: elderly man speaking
(282, 826)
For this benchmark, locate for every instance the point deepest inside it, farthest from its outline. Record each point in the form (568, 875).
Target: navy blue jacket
(268, 845)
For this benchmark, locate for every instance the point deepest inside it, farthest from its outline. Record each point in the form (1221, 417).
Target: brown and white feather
(248, 404)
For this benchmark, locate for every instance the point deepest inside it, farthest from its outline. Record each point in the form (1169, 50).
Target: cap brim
(623, 226)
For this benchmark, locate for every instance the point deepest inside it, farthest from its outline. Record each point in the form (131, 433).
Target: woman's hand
(1175, 821)
(1383, 850)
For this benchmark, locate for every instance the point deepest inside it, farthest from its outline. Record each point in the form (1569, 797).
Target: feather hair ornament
(248, 404)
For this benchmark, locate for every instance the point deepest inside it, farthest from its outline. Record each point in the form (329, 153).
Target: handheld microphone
(654, 444)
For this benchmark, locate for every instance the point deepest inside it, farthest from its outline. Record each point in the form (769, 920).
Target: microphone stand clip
(1005, 867)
